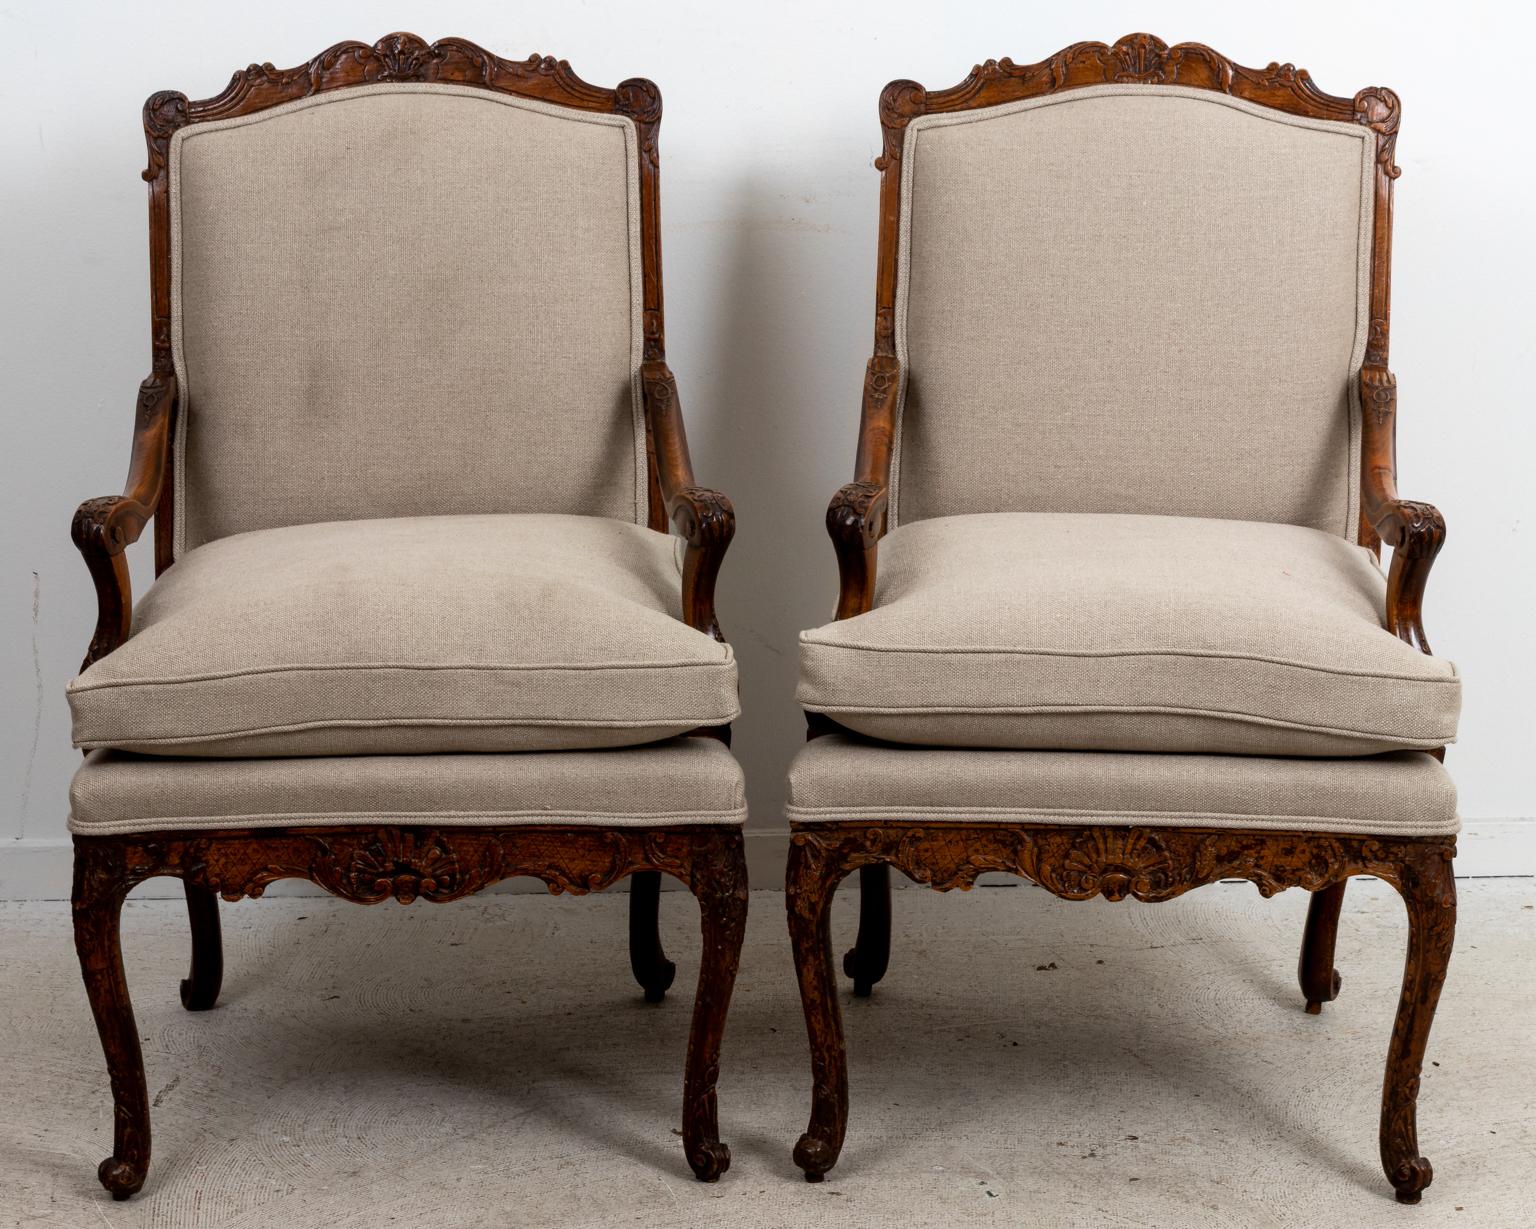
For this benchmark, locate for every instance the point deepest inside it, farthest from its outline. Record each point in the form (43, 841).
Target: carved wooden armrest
(703, 517)
(856, 517)
(856, 523)
(104, 527)
(1414, 531)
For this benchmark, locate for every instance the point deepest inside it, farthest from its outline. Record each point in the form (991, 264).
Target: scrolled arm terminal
(103, 528)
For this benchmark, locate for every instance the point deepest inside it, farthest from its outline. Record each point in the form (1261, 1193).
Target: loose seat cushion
(681, 781)
(1128, 633)
(1404, 794)
(410, 636)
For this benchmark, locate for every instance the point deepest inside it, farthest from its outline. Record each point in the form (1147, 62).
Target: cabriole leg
(647, 960)
(97, 901)
(719, 882)
(1428, 888)
(200, 988)
(1320, 981)
(867, 959)
(809, 886)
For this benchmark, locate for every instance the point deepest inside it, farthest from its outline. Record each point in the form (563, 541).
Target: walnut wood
(1137, 58)
(200, 989)
(857, 519)
(1149, 864)
(369, 865)
(1415, 531)
(104, 527)
(869, 957)
(1320, 981)
(703, 517)
(647, 959)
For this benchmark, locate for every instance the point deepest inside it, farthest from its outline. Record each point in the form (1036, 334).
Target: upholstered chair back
(405, 299)
(1133, 298)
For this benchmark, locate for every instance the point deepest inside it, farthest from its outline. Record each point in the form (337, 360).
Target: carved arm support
(856, 517)
(104, 527)
(1415, 531)
(702, 516)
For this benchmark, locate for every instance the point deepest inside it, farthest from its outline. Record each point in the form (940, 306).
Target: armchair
(1110, 613)
(411, 450)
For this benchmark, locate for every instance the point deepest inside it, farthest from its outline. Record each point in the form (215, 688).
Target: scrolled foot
(1315, 1006)
(658, 979)
(815, 1157)
(195, 997)
(1411, 1178)
(862, 988)
(120, 1177)
(709, 1160)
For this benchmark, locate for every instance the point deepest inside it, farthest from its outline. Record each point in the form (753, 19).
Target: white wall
(769, 201)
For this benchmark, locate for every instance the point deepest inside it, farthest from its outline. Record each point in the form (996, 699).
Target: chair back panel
(1133, 298)
(401, 300)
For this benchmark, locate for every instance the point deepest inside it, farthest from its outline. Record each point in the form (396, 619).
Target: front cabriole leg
(1428, 887)
(718, 879)
(810, 881)
(102, 880)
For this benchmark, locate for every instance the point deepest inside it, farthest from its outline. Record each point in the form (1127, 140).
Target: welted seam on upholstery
(733, 817)
(1217, 819)
(1004, 651)
(378, 667)
(387, 723)
(1365, 238)
(633, 239)
(1236, 716)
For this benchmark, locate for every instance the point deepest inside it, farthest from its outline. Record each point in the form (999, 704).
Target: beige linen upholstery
(1405, 794)
(411, 636)
(399, 300)
(1133, 298)
(1128, 633)
(684, 781)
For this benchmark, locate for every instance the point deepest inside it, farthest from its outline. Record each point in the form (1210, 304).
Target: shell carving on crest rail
(1144, 59)
(403, 58)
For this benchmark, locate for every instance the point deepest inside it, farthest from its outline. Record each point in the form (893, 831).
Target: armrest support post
(103, 528)
(856, 517)
(703, 517)
(1415, 531)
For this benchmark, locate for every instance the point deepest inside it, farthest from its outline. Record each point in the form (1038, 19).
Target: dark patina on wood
(370, 865)
(366, 864)
(1075, 862)
(1117, 863)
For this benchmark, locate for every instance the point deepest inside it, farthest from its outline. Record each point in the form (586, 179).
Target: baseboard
(40, 868)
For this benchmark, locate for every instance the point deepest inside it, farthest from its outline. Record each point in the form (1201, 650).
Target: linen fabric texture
(401, 300)
(1404, 794)
(411, 636)
(1133, 298)
(683, 781)
(1128, 633)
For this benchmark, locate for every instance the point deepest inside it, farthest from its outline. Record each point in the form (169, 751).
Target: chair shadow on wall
(779, 434)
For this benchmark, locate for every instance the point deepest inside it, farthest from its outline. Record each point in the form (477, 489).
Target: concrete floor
(1027, 1061)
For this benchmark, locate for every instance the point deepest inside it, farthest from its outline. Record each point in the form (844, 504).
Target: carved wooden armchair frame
(1115, 862)
(373, 864)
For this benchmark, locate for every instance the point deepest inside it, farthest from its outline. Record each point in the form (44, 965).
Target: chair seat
(1128, 633)
(1403, 794)
(412, 636)
(680, 781)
